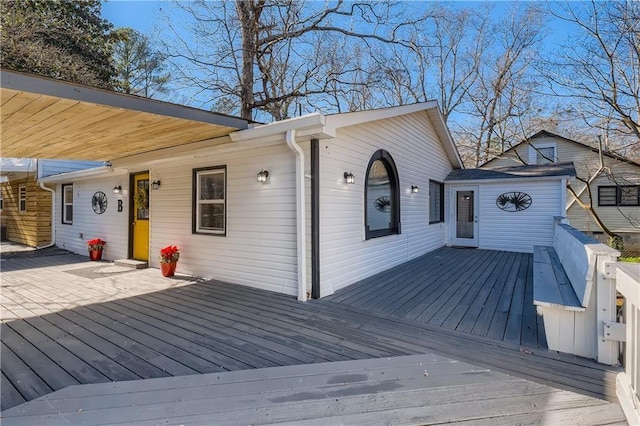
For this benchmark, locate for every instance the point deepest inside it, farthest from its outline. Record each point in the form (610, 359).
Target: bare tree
(600, 65)
(266, 55)
(502, 94)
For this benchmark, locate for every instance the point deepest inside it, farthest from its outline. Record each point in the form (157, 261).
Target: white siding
(111, 226)
(54, 167)
(346, 257)
(518, 231)
(260, 247)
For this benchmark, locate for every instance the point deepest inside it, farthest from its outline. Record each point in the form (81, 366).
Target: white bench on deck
(572, 295)
(551, 286)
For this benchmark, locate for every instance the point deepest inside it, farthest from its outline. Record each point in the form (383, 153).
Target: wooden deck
(415, 389)
(65, 324)
(479, 292)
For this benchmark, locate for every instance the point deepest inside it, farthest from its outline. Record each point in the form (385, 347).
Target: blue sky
(141, 15)
(145, 16)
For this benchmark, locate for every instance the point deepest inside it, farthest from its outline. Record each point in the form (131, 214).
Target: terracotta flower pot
(95, 254)
(168, 269)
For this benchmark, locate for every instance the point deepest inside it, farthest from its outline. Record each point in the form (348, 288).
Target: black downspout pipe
(315, 219)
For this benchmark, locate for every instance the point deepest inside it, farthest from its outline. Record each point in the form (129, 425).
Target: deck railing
(627, 278)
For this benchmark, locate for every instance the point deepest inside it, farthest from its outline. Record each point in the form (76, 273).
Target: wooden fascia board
(49, 87)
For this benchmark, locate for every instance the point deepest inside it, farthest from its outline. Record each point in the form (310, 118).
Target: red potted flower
(95, 248)
(168, 260)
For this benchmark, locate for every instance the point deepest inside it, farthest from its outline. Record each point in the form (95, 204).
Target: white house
(305, 223)
(309, 205)
(305, 206)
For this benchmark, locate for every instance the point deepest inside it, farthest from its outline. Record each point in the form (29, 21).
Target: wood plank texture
(415, 389)
(551, 286)
(60, 329)
(480, 292)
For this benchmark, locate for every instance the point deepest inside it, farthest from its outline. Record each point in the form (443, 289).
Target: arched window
(381, 196)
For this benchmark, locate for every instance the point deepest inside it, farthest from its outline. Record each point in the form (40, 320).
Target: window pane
(142, 200)
(212, 186)
(465, 214)
(607, 195)
(545, 155)
(68, 194)
(435, 202)
(212, 217)
(379, 197)
(629, 195)
(68, 213)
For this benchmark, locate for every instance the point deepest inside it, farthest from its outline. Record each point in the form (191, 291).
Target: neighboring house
(25, 206)
(615, 188)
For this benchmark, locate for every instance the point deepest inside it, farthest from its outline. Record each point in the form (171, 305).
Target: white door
(465, 211)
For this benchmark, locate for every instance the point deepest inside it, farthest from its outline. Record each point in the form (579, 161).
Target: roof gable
(545, 133)
(320, 126)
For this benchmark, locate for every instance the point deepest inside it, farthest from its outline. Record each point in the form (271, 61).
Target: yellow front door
(141, 216)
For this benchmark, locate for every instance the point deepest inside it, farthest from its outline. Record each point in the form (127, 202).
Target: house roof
(48, 118)
(320, 126)
(557, 170)
(11, 165)
(545, 133)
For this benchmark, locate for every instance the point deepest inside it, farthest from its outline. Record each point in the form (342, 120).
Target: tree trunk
(248, 16)
(589, 208)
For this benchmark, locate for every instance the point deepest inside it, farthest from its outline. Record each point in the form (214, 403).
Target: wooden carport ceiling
(46, 118)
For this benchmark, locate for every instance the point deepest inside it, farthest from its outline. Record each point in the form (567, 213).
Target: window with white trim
(543, 153)
(67, 204)
(22, 199)
(209, 200)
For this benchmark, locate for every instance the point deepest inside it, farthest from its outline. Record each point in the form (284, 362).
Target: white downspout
(300, 215)
(53, 217)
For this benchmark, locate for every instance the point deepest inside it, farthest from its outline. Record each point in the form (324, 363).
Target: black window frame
(21, 200)
(618, 189)
(394, 181)
(441, 194)
(64, 188)
(194, 198)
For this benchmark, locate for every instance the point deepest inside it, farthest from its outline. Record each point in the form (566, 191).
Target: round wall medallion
(513, 201)
(99, 202)
(383, 204)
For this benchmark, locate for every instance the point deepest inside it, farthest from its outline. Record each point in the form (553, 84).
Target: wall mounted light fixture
(349, 178)
(263, 175)
(414, 189)
(155, 184)
(117, 189)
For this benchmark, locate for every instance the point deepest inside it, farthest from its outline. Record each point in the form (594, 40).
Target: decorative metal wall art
(99, 202)
(383, 204)
(513, 201)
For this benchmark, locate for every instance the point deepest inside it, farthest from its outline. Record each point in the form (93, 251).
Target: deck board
(480, 292)
(417, 389)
